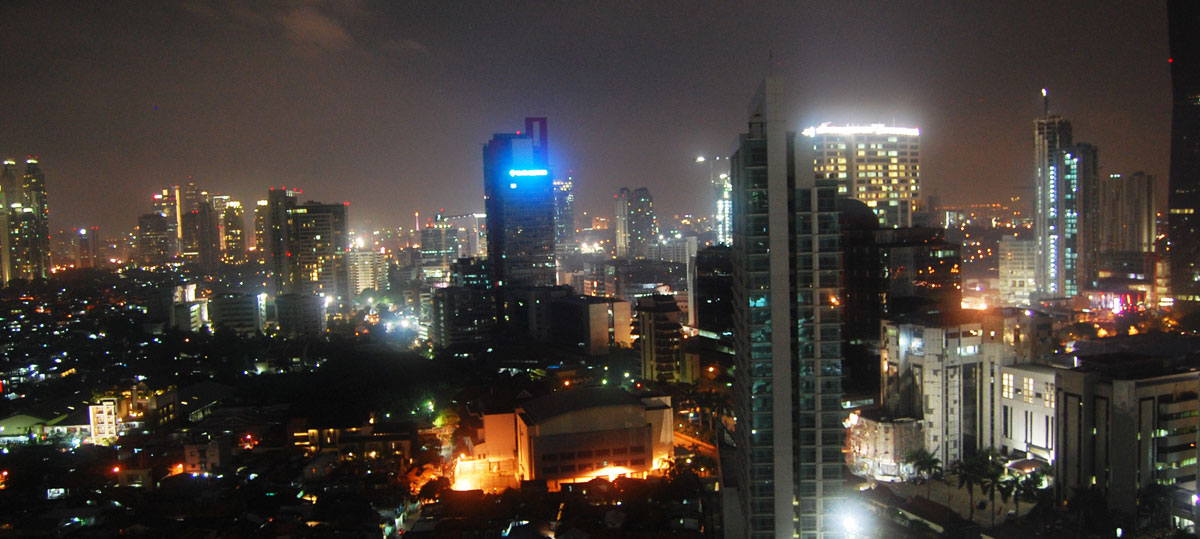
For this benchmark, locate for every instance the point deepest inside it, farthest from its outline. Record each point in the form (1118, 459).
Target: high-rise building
(261, 209)
(519, 199)
(876, 164)
(31, 245)
(1018, 270)
(87, 247)
(166, 203)
(564, 218)
(1050, 134)
(1183, 201)
(201, 236)
(154, 239)
(660, 340)
(277, 224)
(787, 319)
(233, 237)
(643, 225)
(440, 247)
(724, 215)
(1127, 213)
(10, 192)
(1066, 224)
(321, 240)
(621, 220)
(368, 271)
(472, 234)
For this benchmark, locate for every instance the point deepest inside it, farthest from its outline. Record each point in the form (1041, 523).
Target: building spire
(1045, 102)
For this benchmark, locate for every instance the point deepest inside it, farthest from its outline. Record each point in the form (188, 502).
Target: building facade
(788, 388)
(1183, 200)
(519, 199)
(877, 164)
(1018, 269)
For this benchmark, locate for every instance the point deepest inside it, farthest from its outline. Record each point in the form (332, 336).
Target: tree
(991, 475)
(925, 464)
(970, 475)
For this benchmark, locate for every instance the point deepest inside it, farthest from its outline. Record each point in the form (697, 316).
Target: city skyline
(281, 94)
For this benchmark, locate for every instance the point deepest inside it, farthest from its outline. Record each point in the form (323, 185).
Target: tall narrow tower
(787, 328)
(1183, 201)
(1051, 133)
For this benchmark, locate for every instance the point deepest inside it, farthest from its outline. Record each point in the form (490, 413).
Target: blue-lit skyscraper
(518, 191)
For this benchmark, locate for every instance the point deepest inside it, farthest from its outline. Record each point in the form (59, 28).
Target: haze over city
(386, 105)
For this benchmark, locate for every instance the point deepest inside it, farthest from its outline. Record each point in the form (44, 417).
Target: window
(1007, 386)
(1027, 390)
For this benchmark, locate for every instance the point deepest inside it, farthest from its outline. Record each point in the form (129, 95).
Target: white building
(1018, 267)
(368, 270)
(877, 164)
(1026, 411)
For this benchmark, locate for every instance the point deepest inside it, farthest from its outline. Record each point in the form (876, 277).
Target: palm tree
(970, 475)
(926, 465)
(991, 475)
(1010, 488)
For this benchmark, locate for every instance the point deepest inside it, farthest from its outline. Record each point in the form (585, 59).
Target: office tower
(243, 314)
(1127, 213)
(519, 199)
(643, 225)
(472, 234)
(788, 395)
(439, 248)
(1018, 267)
(723, 217)
(201, 236)
(10, 192)
(233, 238)
(154, 239)
(166, 203)
(301, 315)
(621, 219)
(1066, 225)
(34, 242)
(261, 209)
(87, 248)
(876, 164)
(321, 239)
(277, 224)
(190, 198)
(1183, 200)
(660, 340)
(712, 292)
(564, 218)
(1050, 134)
(368, 271)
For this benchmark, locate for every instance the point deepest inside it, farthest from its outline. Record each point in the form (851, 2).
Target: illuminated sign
(873, 129)
(531, 172)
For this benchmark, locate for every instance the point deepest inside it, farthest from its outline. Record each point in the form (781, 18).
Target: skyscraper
(279, 239)
(643, 225)
(788, 388)
(621, 220)
(1183, 201)
(1067, 227)
(1127, 213)
(321, 238)
(876, 164)
(1050, 134)
(36, 233)
(518, 194)
(154, 240)
(233, 239)
(564, 218)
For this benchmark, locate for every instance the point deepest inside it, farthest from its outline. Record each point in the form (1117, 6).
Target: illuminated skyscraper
(1050, 134)
(621, 221)
(876, 164)
(233, 238)
(1128, 215)
(35, 240)
(643, 225)
(87, 245)
(787, 331)
(564, 218)
(321, 239)
(1067, 228)
(518, 193)
(153, 240)
(1183, 201)
(261, 209)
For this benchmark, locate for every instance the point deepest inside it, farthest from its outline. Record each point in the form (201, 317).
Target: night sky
(387, 104)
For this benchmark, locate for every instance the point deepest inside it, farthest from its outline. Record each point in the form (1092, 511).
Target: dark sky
(387, 104)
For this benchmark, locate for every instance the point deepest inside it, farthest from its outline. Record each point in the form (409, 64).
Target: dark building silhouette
(1183, 200)
(714, 292)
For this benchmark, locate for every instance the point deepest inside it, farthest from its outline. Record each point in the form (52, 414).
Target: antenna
(1045, 102)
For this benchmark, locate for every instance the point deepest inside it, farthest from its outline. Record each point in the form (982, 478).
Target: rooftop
(573, 400)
